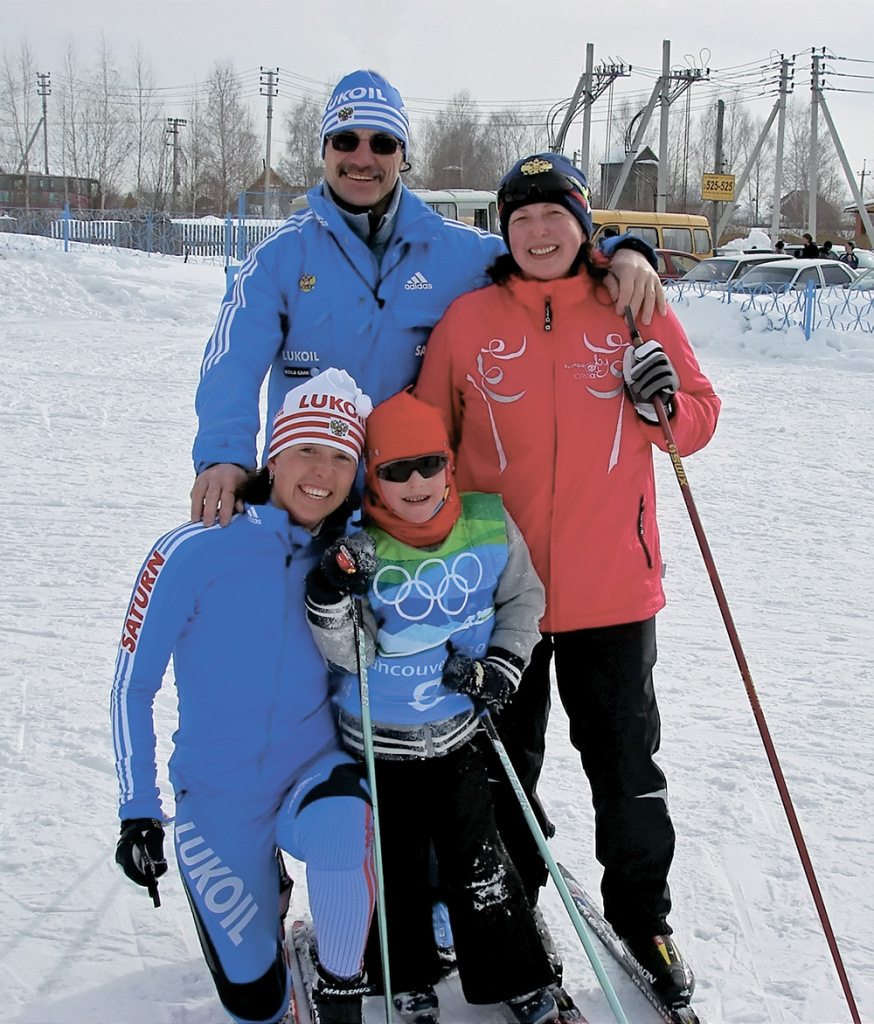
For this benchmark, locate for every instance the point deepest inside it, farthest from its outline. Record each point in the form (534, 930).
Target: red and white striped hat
(329, 409)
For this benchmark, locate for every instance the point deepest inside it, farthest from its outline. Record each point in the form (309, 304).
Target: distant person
(257, 764)
(357, 280)
(779, 247)
(849, 256)
(826, 252)
(810, 251)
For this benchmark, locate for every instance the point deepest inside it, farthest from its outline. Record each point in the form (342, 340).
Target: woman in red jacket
(550, 406)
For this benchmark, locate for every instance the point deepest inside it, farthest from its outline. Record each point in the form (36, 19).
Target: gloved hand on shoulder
(140, 850)
(649, 372)
(346, 568)
(485, 680)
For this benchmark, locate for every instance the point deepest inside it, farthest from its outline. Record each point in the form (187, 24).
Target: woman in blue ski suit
(256, 763)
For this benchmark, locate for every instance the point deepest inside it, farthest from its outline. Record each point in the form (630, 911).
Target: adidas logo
(417, 283)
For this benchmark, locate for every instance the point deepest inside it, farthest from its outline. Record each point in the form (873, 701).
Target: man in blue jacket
(357, 280)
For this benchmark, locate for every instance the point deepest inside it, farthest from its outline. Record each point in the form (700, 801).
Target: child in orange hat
(452, 610)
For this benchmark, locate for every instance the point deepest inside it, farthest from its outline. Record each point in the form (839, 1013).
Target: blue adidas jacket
(228, 605)
(312, 296)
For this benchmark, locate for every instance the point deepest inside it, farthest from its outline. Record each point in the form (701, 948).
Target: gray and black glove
(346, 568)
(649, 372)
(490, 681)
(140, 850)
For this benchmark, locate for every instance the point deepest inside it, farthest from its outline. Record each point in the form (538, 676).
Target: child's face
(418, 497)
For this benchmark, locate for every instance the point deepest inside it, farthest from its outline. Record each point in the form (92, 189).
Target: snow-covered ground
(100, 353)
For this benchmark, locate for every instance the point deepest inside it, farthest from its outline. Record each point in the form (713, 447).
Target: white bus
(477, 207)
(470, 205)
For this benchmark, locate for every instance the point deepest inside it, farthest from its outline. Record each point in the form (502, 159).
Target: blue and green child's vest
(422, 599)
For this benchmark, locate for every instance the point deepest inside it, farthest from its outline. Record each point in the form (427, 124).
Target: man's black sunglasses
(348, 142)
(400, 471)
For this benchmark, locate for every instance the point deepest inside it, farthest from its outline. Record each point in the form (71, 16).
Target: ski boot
(667, 971)
(338, 1000)
(534, 1007)
(567, 1008)
(419, 1007)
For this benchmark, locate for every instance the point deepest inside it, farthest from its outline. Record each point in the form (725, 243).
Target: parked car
(673, 264)
(790, 275)
(864, 281)
(865, 258)
(723, 272)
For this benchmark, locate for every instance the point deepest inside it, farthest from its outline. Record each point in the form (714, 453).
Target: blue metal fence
(835, 307)
(221, 238)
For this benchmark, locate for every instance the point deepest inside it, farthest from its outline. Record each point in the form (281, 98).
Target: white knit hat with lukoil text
(329, 409)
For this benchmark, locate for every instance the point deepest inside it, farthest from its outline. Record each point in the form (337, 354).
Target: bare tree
(70, 103)
(511, 136)
(458, 152)
(18, 106)
(149, 152)
(301, 165)
(231, 145)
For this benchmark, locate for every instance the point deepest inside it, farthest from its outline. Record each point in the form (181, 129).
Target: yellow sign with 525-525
(718, 186)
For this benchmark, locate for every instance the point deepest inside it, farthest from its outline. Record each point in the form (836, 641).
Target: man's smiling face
(362, 178)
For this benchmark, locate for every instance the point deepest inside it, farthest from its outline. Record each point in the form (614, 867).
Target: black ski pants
(447, 800)
(604, 679)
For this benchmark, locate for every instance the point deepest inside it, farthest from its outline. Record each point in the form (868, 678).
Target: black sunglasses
(400, 471)
(348, 142)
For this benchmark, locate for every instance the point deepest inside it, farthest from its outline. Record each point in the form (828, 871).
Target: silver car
(723, 272)
(793, 275)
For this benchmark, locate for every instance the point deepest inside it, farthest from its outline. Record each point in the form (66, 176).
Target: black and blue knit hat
(544, 178)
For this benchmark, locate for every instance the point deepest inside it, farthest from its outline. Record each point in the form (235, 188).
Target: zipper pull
(547, 317)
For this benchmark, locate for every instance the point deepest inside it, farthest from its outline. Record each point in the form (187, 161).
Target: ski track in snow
(100, 355)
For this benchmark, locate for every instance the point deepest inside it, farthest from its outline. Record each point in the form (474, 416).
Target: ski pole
(557, 877)
(758, 713)
(370, 762)
(149, 872)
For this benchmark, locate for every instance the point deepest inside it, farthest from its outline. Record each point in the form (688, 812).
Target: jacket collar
(532, 293)
(415, 221)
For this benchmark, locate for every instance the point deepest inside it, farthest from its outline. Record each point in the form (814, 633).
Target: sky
(98, 367)
(499, 50)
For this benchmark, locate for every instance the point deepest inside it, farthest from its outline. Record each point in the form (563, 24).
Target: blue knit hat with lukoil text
(544, 178)
(365, 99)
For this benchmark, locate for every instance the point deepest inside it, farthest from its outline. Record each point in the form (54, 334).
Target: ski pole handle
(149, 872)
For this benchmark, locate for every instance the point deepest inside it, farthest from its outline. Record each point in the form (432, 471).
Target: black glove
(649, 372)
(481, 679)
(346, 568)
(140, 850)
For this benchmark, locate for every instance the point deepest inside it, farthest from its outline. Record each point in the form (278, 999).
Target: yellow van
(684, 232)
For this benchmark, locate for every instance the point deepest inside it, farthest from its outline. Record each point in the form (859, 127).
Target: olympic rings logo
(452, 586)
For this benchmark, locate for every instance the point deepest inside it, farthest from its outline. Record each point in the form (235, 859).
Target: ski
(599, 925)
(302, 974)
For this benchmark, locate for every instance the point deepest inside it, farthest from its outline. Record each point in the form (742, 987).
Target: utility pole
(717, 166)
(593, 82)
(272, 86)
(667, 93)
(778, 162)
(44, 89)
(813, 170)
(862, 175)
(173, 126)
